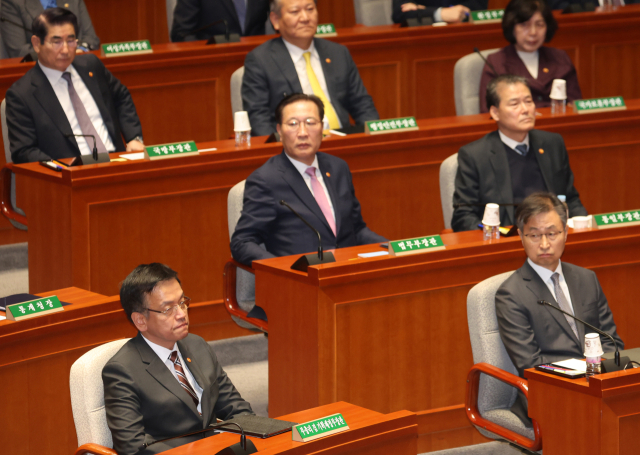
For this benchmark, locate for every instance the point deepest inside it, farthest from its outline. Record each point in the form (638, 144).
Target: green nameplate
(392, 125)
(326, 30)
(612, 103)
(127, 48)
(417, 245)
(176, 149)
(617, 219)
(33, 308)
(319, 428)
(486, 16)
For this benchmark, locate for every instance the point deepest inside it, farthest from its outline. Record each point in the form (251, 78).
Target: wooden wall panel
(341, 13)
(383, 82)
(431, 78)
(616, 70)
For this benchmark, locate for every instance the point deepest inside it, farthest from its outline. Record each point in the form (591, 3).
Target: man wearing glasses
(534, 334)
(164, 382)
(66, 94)
(317, 185)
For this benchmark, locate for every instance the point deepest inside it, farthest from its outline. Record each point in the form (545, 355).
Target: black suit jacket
(483, 176)
(264, 220)
(431, 6)
(190, 15)
(269, 76)
(18, 41)
(144, 401)
(37, 123)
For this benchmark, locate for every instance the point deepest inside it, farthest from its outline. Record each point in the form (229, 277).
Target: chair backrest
(236, 91)
(373, 12)
(466, 82)
(487, 345)
(234, 205)
(171, 6)
(87, 394)
(448, 170)
(7, 156)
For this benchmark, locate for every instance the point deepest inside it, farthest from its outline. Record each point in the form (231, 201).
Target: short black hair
(53, 16)
(294, 98)
(492, 96)
(537, 203)
(140, 283)
(519, 11)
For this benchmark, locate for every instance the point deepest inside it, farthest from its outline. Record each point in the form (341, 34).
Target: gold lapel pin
(546, 70)
(328, 175)
(540, 151)
(90, 74)
(66, 5)
(328, 60)
(188, 360)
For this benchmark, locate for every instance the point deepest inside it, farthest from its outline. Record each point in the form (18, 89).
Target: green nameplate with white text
(393, 125)
(127, 48)
(320, 428)
(417, 245)
(617, 219)
(174, 150)
(33, 308)
(326, 31)
(486, 16)
(612, 103)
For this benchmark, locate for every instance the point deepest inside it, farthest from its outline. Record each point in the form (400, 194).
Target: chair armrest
(471, 405)
(94, 448)
(229, 294)
(5, 197)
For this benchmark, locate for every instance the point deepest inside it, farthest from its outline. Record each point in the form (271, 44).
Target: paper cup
(491, 215)
(558, 90)
(241, 121)
(581, 222)
(592, 346)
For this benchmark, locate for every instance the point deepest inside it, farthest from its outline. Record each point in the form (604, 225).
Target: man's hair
(519, 11)
(492, 96)
(538, 203)
(140, 283)
(53, 16)
(276, 5)
(294, 98)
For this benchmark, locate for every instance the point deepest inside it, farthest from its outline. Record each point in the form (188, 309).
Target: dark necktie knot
(522, 149)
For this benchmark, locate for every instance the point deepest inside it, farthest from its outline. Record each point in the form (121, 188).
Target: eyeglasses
(311, 123)
(184, 305)
(57, 44)
(535, 238)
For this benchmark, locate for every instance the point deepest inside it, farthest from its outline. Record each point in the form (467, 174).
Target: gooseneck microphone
(495, 73)
(597, 330)
(95, 147)
(320, 250)
(228, 37)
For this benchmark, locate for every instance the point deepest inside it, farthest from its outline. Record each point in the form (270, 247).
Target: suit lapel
(502, 175)
(544, 159)
(282, 59)
(330, 181)
(201, 379)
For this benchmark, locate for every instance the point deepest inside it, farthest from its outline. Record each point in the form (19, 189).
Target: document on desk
(133, 156)
(573, 364)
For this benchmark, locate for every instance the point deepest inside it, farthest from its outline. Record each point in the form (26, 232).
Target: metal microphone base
(221, 39)
(303, 263)
(237, 449)
(88, 159)
(609, 365)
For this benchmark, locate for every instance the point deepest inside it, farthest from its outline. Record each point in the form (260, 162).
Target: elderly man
(507, 165)
(298, 63)
(66, 94)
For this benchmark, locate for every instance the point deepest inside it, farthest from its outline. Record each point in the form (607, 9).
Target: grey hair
(538, 203)
(492, 97)
(276, 5)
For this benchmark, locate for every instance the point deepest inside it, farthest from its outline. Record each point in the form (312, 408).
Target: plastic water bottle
(594, 366)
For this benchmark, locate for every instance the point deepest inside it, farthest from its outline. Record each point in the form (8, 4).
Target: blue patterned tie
(522, 149)
(241, 9)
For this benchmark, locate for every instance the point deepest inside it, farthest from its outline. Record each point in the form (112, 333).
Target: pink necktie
(321, 198)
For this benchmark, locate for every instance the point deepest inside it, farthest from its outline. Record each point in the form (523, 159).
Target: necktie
(241, 9)
(321, 198)
(83, 118)
(182, 378)
(522, 149)
(48, 3)
(334, 123)
(563, 302)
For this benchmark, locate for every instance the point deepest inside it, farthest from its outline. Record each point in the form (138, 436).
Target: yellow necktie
(334, 123)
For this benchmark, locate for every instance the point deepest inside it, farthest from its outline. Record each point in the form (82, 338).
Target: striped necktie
(563, 302)
(182, 377)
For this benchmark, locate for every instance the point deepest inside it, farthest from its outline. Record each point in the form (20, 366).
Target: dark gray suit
(264, 220)
(18, 41)
(144, 401)
(270, 75)
(483, 176)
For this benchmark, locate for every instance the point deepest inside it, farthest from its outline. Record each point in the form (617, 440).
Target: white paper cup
(491, 215)
(581, 222)
(241, 121)
(558, 90)
(592, 346)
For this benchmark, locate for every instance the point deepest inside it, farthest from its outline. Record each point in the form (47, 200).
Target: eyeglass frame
(183, 304)
(306, 124)
(547, 234)
(71, 43)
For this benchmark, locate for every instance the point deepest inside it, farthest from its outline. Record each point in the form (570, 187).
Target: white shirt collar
(511, 143)
(301, 167)
(162, 352)
(55, 75)
(545, 273)
(297, 53)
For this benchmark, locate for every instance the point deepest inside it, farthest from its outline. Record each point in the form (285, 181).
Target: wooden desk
(601, 416)
(36, 356)
(369, 433)
(392, 333)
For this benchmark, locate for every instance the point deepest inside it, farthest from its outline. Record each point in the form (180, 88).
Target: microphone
(609, 367)
(305, 261)
(95, 147)
(96, 157)
(217, 39)
(495, 73)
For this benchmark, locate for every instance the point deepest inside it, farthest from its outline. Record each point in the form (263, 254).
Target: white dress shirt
(164, 355)
(301, 167)
(511, 143)
(545, 275)
(61, 89)
(530, 60)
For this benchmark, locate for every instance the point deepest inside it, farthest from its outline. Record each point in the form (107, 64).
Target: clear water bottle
(594, 366)
(243, 138)
(558, 107)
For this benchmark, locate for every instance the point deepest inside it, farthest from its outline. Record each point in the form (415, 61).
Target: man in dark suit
(534, 334)
(298, 63)
(244, 17)
(437, 10)
(507, 165)
(17, 40)
(164, 382)
(317, 185)
(65, 94)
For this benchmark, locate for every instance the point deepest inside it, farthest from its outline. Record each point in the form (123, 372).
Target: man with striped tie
(164, 382)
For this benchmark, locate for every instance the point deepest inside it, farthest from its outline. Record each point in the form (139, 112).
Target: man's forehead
(302, 107)
(61, 31)
(512, 91)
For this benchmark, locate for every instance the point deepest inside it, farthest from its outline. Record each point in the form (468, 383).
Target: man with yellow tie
(298, 63)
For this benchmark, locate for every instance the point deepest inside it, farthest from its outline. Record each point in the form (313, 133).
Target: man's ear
(139, 321)
(273, 17)
(35, 42)
(493, 111)
(279, 129)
